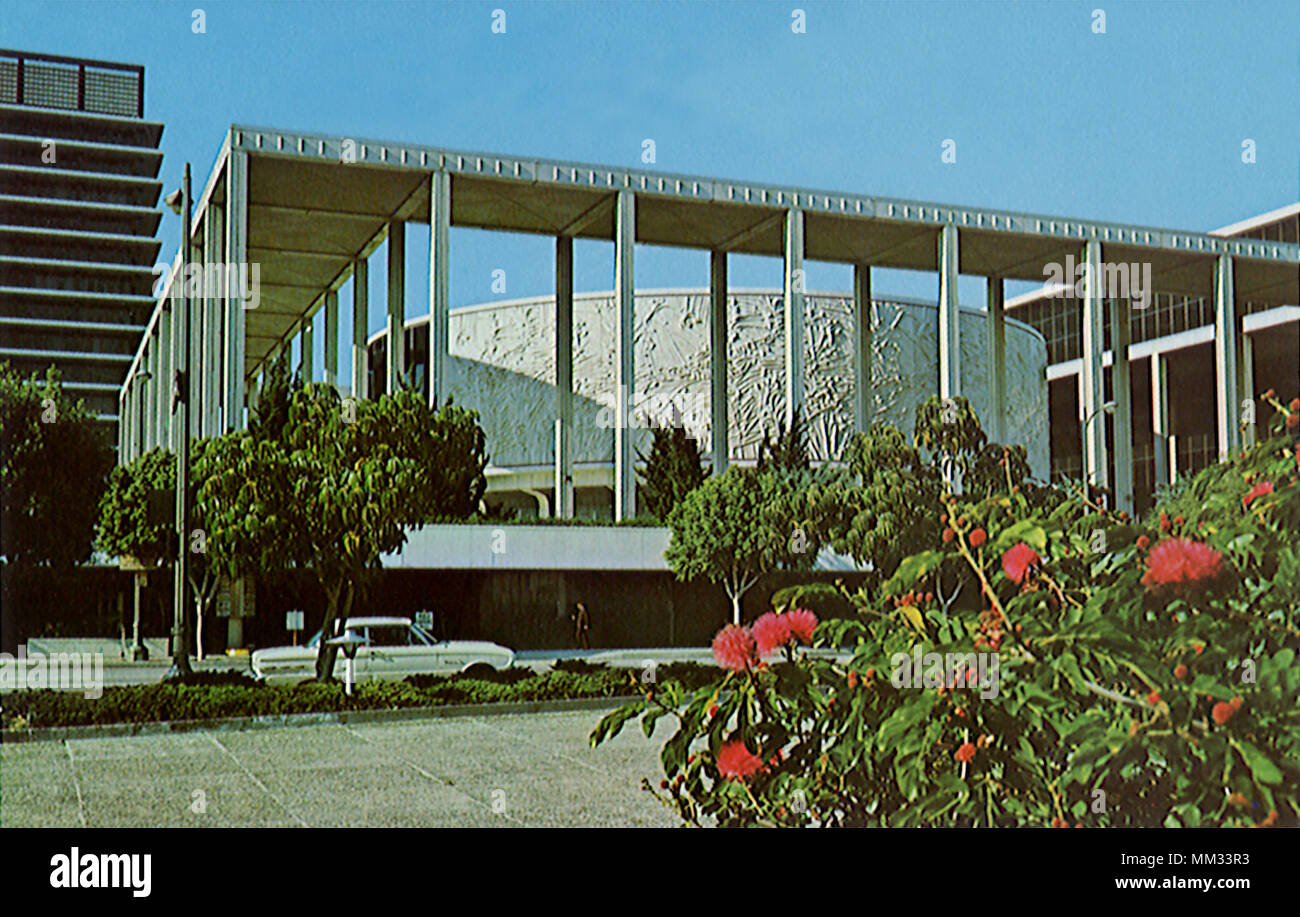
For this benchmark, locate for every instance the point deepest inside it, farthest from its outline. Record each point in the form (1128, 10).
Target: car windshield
(421, 636)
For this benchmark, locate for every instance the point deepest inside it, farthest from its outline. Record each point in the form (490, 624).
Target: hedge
(216, 695)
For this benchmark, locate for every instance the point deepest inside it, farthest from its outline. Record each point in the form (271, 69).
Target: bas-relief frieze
(504, 366)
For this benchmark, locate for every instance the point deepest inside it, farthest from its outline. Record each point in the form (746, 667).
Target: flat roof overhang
(310, 214)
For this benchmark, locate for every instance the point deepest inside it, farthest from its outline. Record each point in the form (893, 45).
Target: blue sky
(1142, 124)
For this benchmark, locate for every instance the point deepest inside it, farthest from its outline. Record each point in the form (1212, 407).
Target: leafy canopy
(673, 469)
(53, 459)
(337, 486)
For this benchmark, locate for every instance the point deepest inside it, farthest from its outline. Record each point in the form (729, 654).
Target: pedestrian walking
(581, 624)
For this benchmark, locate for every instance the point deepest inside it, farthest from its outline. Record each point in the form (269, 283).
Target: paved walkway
(506, 770)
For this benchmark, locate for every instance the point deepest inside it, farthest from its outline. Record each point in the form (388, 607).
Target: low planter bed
(218, 695)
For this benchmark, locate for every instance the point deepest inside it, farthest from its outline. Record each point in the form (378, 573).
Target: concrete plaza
(488, 771)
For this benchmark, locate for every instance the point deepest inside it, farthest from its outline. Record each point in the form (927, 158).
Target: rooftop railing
(71, 83)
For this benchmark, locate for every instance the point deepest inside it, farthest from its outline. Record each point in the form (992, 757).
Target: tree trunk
(135, 622)
(326, 654)
(198, 629)
(735, 608)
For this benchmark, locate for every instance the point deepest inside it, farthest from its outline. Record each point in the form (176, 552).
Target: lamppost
(1107, 408)
(181, 203)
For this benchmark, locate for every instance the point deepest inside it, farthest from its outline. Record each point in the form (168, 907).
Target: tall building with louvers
(79, 218)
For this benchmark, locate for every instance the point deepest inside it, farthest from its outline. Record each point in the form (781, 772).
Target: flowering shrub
(1036, 660)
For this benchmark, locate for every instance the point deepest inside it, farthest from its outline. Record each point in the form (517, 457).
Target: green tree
(897, 500)
(338, 490)
(125, 529)
(268, 419)
(949, 429)
(673, 469)
(787, 449)
(736, 527)
(53, 459)
(894, 504)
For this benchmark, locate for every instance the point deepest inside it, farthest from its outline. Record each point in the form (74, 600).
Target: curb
(286, 720)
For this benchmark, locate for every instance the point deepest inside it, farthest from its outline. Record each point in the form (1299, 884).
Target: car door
(396, 652)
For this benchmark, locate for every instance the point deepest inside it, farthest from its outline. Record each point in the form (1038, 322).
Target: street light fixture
(181, 202)
(1107, 408)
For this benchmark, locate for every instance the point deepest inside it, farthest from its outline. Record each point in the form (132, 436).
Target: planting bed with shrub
(213, 695)
(1146, 670)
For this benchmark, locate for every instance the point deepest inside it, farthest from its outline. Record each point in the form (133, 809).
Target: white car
(393, 648)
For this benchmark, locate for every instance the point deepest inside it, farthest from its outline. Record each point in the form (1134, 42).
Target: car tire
(478, 670)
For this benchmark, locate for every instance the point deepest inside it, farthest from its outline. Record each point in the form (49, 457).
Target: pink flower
(1017, 561)
(1263, 487)
(773, 631)
(802, 623)
(1181, 563)
(735, 761)
(734, 648)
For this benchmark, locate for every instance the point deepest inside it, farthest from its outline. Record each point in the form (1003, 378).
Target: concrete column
(1094, 429)
(151, 394)
(166, 364)
(255, 389)
(564, 377)
(236, 255)
(949, 315)
(997, 357)
(197, 307)
(1246, 390)
(140, 407)
(1162, 444)
(439, 287)
(863, 396)
(795, 287)
(307, 348)
(396, 304)
(138, 413)
(332, 337)
(1227, 332)
(144, 429)
(123, 424)
(360, 328)
(1120, 338)
(210, 375)
(720, 419)
(127, 425)
(624, 362)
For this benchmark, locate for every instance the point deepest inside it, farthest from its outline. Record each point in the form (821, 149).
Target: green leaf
(1264, 770)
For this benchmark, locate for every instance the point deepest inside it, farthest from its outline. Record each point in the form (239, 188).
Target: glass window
(390, 635)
